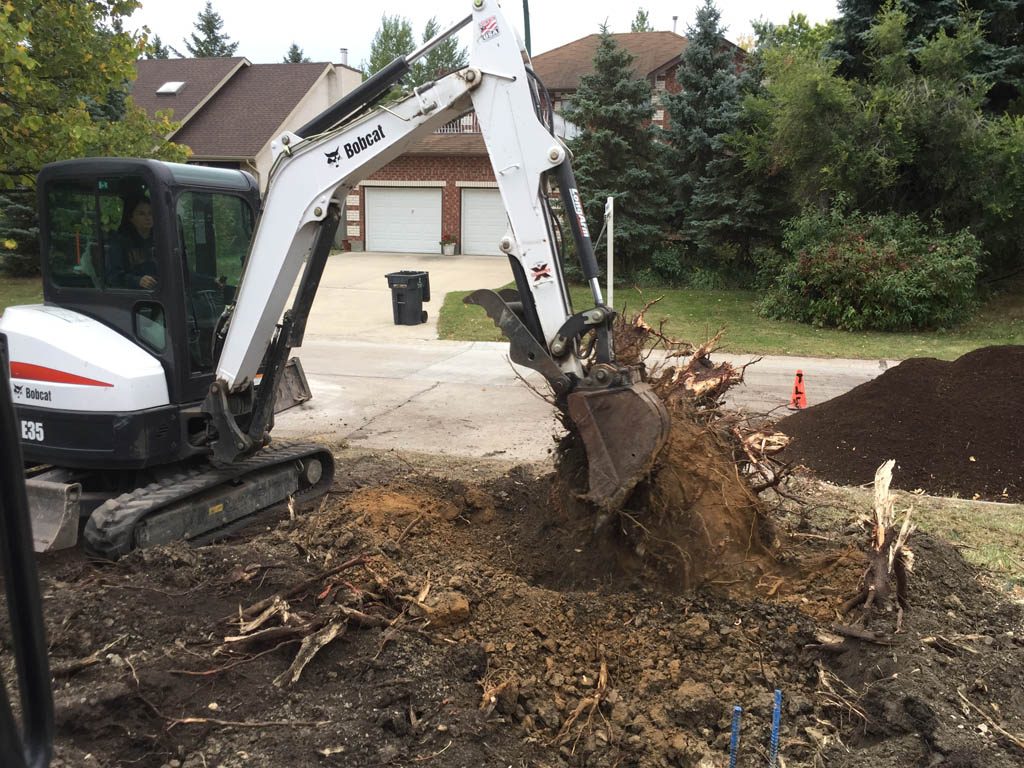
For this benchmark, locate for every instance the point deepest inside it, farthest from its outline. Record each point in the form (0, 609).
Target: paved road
(381, 386)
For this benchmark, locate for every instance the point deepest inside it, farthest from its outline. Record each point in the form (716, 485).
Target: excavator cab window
(214, 231)
(101, 234)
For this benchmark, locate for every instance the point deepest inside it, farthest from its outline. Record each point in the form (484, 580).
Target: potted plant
(448, 243)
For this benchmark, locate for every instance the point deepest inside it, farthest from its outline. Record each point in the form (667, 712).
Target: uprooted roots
(696, 518)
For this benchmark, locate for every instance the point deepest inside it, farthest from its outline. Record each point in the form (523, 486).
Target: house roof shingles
(201, 78)
(561, 69)
(249, 109)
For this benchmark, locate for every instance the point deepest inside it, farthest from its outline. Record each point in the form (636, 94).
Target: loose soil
(507, 635)
(954, 428)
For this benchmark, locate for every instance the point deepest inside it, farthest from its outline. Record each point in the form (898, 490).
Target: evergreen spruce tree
(641, 22)
(19, 232)
(717, 209)
(999, 60)
(616, 153)
(207, 40)
(157, 49)
(295, 55)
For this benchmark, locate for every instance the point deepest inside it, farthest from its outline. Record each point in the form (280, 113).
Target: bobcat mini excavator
(145, 406)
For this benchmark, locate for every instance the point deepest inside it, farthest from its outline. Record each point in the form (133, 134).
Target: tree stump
(884, 584)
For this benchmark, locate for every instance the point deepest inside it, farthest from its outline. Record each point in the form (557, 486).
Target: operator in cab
(131, 261)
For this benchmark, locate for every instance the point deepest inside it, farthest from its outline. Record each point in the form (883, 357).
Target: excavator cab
(153, 251)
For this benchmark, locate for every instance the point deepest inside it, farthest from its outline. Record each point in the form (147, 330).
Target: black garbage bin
(409, 289)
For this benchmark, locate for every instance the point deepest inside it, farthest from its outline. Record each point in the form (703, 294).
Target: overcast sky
(264, 31)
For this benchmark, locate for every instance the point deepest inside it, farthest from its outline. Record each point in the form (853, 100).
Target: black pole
(526, 23)
(362, 97)
(24, 604)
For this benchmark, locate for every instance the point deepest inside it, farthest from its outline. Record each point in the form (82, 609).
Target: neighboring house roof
(561, 69)
(201, 77)
(249, 110)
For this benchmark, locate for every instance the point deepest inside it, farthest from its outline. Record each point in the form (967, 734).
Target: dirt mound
(492, 637)
(954, 428)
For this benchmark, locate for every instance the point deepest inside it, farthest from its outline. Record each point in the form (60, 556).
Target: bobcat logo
(333, 158)
(18, 388)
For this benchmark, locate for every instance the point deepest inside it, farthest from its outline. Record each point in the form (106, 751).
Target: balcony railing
(465, 124)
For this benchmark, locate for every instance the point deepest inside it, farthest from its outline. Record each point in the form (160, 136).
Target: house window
(659, 83)
(659, 114)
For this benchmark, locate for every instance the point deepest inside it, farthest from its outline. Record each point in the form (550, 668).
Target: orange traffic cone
(798, 400)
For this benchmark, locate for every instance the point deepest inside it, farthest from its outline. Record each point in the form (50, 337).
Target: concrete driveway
(382, 386)
(354, 301)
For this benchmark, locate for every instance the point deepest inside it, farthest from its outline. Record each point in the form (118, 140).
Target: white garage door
(484, 221)
(403, 219)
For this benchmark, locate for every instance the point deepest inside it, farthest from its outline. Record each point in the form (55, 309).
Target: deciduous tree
(912, 138)
(446, 57)
(65, 68)
(394, 38)
(998, 57)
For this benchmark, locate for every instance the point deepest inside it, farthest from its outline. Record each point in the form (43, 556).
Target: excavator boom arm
(313, 174)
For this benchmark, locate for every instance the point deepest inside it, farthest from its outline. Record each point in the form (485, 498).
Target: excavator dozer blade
(53, 506)
(623, 431)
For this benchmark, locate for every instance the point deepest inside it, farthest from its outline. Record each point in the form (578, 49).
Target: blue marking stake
(734, 744)
(773, 752)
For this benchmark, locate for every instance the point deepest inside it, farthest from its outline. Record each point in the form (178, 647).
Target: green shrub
(668, 263)
(881, 272)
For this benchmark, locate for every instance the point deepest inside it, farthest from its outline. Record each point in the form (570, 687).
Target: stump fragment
(889, 558)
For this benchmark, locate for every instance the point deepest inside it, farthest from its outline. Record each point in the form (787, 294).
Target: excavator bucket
(623, 431)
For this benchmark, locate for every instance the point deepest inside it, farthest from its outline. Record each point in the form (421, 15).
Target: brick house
(230, 109)
(444, 183)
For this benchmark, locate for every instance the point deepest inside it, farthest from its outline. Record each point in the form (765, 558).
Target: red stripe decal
(51, 375)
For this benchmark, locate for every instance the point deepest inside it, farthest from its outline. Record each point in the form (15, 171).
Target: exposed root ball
(695, 519)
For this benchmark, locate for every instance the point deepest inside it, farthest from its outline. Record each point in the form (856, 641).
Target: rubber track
(109, 530)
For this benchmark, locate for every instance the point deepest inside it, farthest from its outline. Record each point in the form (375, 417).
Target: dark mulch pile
(954, 428)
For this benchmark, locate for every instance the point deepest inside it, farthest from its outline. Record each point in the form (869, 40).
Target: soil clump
(954, 428)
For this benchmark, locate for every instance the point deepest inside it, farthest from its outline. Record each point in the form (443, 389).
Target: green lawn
(20, 290)
(694, 315)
